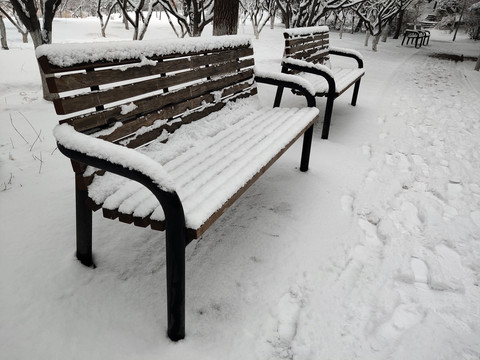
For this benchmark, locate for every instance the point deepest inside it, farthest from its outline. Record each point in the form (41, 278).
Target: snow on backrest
(309, 43)
(116, 89)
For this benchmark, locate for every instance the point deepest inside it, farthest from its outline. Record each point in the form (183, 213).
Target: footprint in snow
(446, 270)
(289, 308)
(420, 272)
(475, 216)
(403, 317)
(347, 203)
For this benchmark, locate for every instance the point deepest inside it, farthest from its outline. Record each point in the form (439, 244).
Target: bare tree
(108, 7)
(3, 34)
(7, 10)
(40, 33)
(27, 13)
(310, 12)
(191, 15)
(258, 12)
(376, 14)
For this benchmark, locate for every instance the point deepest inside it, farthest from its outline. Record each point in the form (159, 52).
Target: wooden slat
(85, 101)
(170, 111)
(77, 81)
(301, 39)
(307, 46)
(146, 137)
(49, 68)
(159, 101)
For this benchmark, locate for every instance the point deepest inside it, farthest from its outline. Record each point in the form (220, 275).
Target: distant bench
(307, 54)
(167, 135)
(416, 37)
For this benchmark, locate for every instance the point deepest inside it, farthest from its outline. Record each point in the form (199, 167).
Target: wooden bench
(307, 54)
(167, 135)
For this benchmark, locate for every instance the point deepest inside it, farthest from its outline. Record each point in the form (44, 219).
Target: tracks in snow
(414, 271)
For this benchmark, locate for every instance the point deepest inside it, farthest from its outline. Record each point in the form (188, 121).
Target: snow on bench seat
(208, 170)
(344, 78)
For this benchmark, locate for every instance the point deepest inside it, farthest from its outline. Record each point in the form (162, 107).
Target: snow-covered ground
(372, 254)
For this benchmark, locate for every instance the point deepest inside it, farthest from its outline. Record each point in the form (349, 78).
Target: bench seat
(242, 140)
(344, 78)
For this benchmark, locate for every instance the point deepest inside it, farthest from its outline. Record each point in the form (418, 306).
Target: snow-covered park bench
(307, 54)
(167, 135)
(418, 38)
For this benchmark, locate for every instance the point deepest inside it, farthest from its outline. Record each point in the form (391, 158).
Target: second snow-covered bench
(167, 135)
(307, 54)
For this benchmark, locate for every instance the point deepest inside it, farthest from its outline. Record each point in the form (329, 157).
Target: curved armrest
(354, 54)
(289, 81)
(100, 153)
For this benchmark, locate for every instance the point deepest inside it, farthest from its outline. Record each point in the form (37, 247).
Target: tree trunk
(398, 29)
(367, 36)
(375, 41)
(3, 34)
(359, 25)
(385, 32)
(477, 65)
(225, 17)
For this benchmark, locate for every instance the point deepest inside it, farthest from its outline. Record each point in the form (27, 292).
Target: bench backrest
(309, 44)
(115, 89)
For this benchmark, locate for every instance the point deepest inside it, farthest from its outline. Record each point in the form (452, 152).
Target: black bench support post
(328, 116)
(355, 92)
(176, 236)
(84, 227)
(307, 145)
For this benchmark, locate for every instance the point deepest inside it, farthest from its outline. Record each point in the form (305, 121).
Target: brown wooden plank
(307, 46)
(146, 137)
(81, 102)
(141, 222)
(49, 68)
(302, 39)
(109, 214)
(125, 218)
(170, 111)
(157, 102)
(157, 225)
(76, 81)
(308, 54)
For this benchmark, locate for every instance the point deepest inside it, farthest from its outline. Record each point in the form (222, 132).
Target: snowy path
(419, 214)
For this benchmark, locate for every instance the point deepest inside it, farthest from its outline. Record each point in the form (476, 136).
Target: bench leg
(307, 145)
(328, 117)
(278, 96)
(84, 228)
(175, 253)
(355, 92)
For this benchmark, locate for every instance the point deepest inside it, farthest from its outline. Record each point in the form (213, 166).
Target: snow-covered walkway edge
(372, 254)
